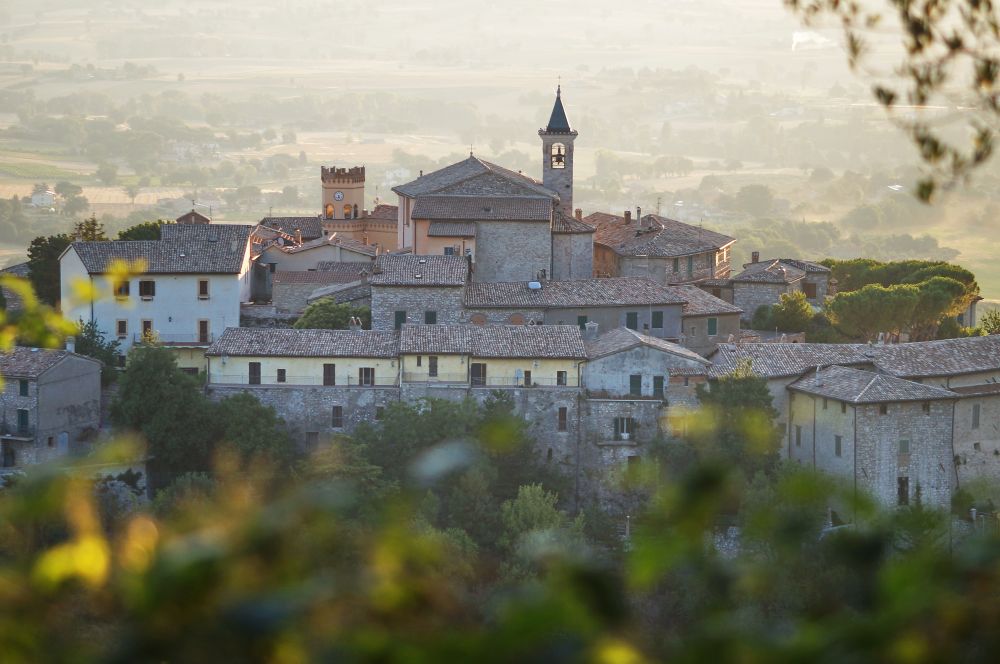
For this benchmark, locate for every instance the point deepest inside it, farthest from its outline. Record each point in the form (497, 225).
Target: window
(147, 289)
(347, 211)
(624, 426)
(581, 321)
(121, 361)
(420, 360)
(449, 251)
(400, 318)
(121, 328)
(657, 320)
(366, 376)
(477, 319)
(548, 455)
(432, 366)
(203, 289)
(51, 442)
(677, 265)
(22, 421)
(838, 444)
(926, 408)
(977, 447)
(329, 210)
(430, 317)
(635, 385)
(22, 388)
(255, 373)
(147, 328)
(121, 289)
(975, 416)
(516, 319)
(355, 210)
(329, 374)
(561, 378)
(825, 403)
(478, 370)
(563, 413)
(904, 447)
(798, 435)
(843, 407)
(527, 377)
(690, 265)
(337, 418)
(379, 412)
(710, 260)
(658, 382)
(558, 155)
(713, 326)
(632, 320)
(281, 376)
(903, 491)
(883, 409)
(810, 290)
(203, 333)
(9, 456)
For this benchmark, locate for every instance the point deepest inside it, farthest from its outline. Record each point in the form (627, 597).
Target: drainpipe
(579, 435)
(814, 433)
(954, 465)
(854, 445)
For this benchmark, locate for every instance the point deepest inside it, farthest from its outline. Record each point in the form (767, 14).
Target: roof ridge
(870, 383)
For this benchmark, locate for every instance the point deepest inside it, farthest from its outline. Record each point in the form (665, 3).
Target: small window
(657, 320)
(204, 336)
(399, 319)
(825, 403)
(904, 447)
(560, 378)
(582, 321)
(379, 412)
(883, 409)
(798, 435)
(975, 416)
(517, 319)
(810, 291)
(366, 376)
(121, 361)
(432, 366)
(977, 447)
(838, 445)
(624, 427)
(635, 385)
(23, 387)
(121, 328)
(903, 491)
(122, 289)
(713, 326)
(147, 328)
(527, 377)
(254, 369)
(337, 419)
(329, 374)
(147, 289)
(477, 319)
(926, 407)
(420, 360)
(558, 155)
(51, 442)
(281, 376)
(690, 265)
(548, 455)
(563, 415)
(449, 251)
(430, 317)
(632, 320)
(677, 265)
(203, 289)
(658, 382)
(843, 407)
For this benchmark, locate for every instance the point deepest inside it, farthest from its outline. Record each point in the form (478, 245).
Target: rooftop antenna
(658, 201)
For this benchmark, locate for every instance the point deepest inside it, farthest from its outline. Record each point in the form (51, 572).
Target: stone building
(572, 247)
(50, 405)
(661, 249)
(417, 289)
(707, 320)
(293, 290)
(890, 437)
(762, 283)
(630, 302)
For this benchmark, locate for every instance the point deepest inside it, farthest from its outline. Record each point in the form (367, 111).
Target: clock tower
(343, 192)
(557, 155)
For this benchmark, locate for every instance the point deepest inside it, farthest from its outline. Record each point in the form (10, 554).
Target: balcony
(243, 380)
(194, 340)
(16, 432)
(489, 381)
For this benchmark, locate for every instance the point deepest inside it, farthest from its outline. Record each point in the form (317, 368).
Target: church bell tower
(557, 155)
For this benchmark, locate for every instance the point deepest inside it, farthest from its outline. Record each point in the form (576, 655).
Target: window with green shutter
(658, 320)
(713, 326)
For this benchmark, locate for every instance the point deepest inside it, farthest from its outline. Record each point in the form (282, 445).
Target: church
(512, 227)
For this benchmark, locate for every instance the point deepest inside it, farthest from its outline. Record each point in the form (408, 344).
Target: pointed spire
(558, 124)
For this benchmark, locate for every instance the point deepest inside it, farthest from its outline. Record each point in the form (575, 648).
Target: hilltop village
(600, 328)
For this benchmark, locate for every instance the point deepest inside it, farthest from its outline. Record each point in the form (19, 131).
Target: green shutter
(713, 326)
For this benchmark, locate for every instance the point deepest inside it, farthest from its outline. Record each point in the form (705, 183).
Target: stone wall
(512, 250)
(572, 256)
(447, 301)
(822, 282)
(977, 448)
(610, 376)
(696, 335)
(265, 315)
(750, 296)
(291, 298)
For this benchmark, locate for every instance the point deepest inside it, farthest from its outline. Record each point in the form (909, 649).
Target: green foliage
(755, 199)
(792, 313)
(532, 526)
(863, 313)
(990, 321)
(43, 266)
(147, 230)
(252, 429)
(90, 341)
(89, 230)
(328, 315)
(190, 491)
(762, 318)
(107, 173)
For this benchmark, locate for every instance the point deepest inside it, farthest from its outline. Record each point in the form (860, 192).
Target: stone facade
(611, 376)
(977, 436)
(751, 296)
(607, 318)
(572, 256)
(512, 250)
(416, 301)
(696, 331)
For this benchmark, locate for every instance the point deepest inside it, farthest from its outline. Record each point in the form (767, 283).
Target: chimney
(354, 325)
(298, 236)
(590, 329)
(638, 215)
(578, 214)
(71, 344)
(628, 216)
(755, 257)
(819, 377)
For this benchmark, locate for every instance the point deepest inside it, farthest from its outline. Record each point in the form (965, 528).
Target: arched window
(347, 211)
(355, 211)
(329, 210)
(477, 319)
(558, 155)
(516, 319)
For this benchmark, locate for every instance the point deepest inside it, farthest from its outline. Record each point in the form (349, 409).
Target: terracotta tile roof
(411, 270)
(777, 360)
(856, 386)
(311, 227)
(700, 303)
(483, 208)
(349, 270)
(495, 341)
(203, 249)
(491, 179)
(451, 229)
(770, 272)
(261, 342)
(319, 277)
(609, 291)
(564, 223)
(622, 339)
(334, 241)
(655, 236)
(806, 266)
(384, 212)
(25, 362)
(342, 293)
(947, 357)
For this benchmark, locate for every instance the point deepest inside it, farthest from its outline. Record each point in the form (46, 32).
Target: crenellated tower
(343, 192)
